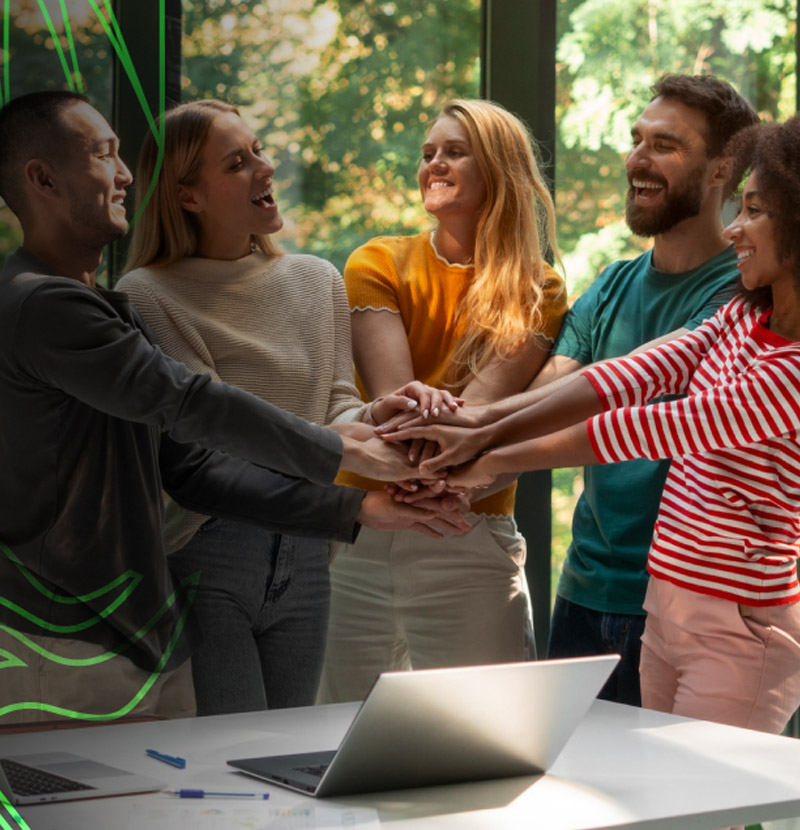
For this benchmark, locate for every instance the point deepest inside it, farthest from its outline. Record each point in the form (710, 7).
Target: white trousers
(401, 600)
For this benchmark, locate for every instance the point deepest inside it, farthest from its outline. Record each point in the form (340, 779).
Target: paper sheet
(218, 815)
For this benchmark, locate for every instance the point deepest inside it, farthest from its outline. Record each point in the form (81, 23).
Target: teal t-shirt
(612, 527)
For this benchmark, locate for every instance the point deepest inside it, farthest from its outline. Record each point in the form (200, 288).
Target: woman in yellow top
(471, 305)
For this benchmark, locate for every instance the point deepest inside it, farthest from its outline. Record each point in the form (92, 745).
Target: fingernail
(425, 413)
(411, 457)
(412, 403)
(436, 411)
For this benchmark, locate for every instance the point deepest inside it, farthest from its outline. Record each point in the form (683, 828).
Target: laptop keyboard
(26, 780)
(315, 769)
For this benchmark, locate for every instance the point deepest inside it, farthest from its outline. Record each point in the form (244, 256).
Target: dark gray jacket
(94, 421)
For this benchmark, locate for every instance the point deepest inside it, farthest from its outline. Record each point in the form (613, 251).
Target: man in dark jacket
(95, 421)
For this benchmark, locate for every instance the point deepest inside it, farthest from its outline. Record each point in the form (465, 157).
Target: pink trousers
(712, 659)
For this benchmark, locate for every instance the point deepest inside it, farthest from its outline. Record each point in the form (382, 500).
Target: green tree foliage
(341, 92)
(609, 54)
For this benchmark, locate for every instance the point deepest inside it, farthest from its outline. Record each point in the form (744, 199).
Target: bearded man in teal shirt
(676, 170)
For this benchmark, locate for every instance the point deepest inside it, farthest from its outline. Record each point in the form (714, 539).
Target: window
(340, 93)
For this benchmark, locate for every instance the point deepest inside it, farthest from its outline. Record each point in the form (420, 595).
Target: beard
(683, 201)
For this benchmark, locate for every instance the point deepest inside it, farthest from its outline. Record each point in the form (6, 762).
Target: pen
(172, 760)
(209, 794)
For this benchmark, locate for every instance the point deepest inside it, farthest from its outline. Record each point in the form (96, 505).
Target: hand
(375, 458)
(354, 429)
(465, 416)
(471, 476)
(381, 512)
(424, 400)
(451, 498)
(456, 444)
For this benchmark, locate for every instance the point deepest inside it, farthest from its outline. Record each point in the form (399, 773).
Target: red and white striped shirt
(729, 520)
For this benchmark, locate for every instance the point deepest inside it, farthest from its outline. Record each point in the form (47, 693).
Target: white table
(623, 767)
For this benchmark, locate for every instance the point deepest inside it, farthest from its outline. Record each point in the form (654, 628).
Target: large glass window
(340, 92)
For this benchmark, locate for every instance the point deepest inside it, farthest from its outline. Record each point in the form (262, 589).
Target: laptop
(62, 776)
(443, 726)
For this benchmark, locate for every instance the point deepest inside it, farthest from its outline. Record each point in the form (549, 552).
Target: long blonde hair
(165, 232)
(515, 234)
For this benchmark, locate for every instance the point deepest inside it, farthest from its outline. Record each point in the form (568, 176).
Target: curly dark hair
(772, 152)
(726, 111)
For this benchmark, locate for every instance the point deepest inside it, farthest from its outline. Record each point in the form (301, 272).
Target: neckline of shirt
(432, 242)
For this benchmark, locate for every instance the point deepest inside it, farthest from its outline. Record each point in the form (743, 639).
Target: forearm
(572, 401)
(568, 447)
(216, 484)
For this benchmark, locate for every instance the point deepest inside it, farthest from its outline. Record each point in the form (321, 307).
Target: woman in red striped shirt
(722, 639)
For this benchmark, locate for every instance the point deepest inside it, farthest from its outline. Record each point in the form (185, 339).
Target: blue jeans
(576, 631)
(262, 610)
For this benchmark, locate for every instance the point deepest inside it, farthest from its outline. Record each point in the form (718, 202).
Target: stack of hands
(425, 443)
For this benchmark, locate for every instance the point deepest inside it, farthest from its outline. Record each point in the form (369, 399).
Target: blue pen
(209, 794)
(172, 760)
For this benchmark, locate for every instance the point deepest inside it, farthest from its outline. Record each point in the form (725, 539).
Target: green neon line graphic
(12, 811)
(6, 50)
(190, 580)
(11, 660)
(162, 104)
(68, 29)
(123, 710)
(125, 59)
(9, 808)
(68, 629)
(57, 43)
(63, 598)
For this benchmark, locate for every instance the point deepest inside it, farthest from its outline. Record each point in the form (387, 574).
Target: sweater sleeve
(345, 404)
(664, 370)
(759, 403)
(167, 331)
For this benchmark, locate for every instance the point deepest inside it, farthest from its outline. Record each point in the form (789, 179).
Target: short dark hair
(725, 109)
(31, 126)
(772, 152)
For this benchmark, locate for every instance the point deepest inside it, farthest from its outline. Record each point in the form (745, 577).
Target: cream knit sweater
(276, 326)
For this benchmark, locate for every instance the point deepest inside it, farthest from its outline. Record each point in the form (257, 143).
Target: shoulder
(140, 278)
(393, 249)
(553, 284)
(720, 267)
(145, 286)
(304, 265)
(625, 270)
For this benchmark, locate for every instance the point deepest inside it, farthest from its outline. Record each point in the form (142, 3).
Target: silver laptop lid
(439, 726)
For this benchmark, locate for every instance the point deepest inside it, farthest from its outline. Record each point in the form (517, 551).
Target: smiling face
(93, 178)
(667, 167)
(449, 177)
(755, 242)
(232, 198)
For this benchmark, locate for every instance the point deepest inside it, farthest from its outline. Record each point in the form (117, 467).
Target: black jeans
(576, 631)
(262, 607)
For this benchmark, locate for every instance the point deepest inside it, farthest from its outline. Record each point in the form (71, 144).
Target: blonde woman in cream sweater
(220, 297)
